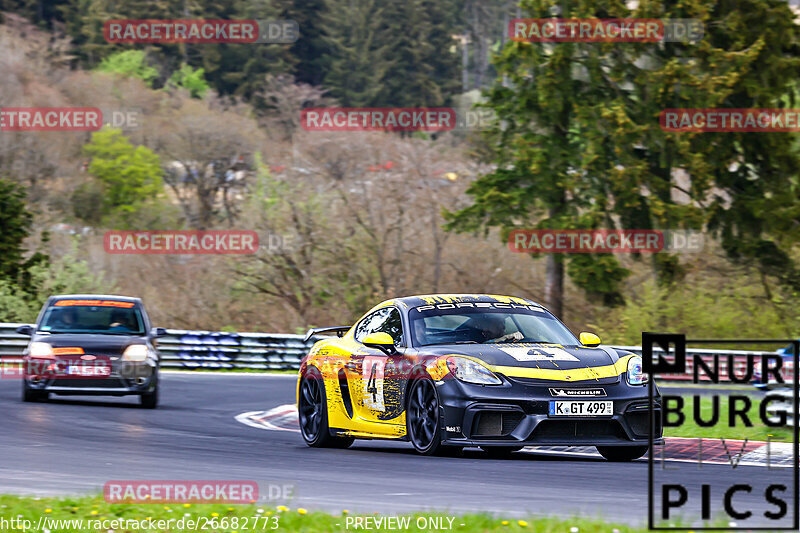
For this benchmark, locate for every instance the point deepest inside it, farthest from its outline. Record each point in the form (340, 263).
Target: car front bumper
(132, 379)
(517, 414)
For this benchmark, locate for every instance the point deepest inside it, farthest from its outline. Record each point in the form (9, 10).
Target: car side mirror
(380, 341)
(158, 332)
(25, 330)
(589, 339)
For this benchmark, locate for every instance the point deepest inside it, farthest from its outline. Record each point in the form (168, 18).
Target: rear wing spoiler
(339, 330)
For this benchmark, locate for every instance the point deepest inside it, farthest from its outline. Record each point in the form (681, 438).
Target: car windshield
(107, 318)
(432, 325)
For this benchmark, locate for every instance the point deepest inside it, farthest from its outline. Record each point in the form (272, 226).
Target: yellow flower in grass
(187, 504)
(282, 508)
(94, 512)
(214, 514)
(522, 523)
(504, 522)
(345, 511)
(48, 510)
(302, 511)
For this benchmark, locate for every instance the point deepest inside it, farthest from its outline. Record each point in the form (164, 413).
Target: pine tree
(356, 60)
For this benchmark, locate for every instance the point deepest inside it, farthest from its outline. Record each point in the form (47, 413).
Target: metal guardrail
(203, 349)
(279, 351)
(741, 358)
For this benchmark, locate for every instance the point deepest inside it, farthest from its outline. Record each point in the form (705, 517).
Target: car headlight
(41, 350)
(135, 352)
(470, 371)
(636, 375)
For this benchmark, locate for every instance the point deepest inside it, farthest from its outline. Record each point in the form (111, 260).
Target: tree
(578, 144)
(129, 176)
(358, 63)
(423, 53)
(16, 222)
(129, 63)
(190, 79)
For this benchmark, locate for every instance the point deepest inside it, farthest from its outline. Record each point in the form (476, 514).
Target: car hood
(531, 355)
(91, 344)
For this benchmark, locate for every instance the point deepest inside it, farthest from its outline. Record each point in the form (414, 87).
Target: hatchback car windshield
(467, 326)
(105, 319)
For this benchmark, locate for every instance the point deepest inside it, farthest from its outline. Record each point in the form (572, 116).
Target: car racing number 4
(372, 382)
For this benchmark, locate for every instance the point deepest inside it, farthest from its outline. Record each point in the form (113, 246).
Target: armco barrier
(740, 361)
(280, 351)
(202, 349)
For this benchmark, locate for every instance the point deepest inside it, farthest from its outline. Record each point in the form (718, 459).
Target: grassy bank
(722, 429)
(232, 518)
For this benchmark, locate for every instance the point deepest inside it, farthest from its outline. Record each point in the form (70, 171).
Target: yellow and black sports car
(449, 371)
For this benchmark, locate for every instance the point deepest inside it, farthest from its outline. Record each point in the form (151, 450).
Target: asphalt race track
(74, 445)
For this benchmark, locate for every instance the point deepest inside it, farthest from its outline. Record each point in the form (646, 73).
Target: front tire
(422, 418)
(622, 453)
(32, 395)
(149, 400)
(312, 409)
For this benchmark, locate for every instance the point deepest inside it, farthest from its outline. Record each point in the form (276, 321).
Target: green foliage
(132, 63)
(129, 177)
(579, 145)
(702, 310)
(358, 62)
(190, 79)
(66, 275)
(16, 223)
(422, 54)
(389, 54)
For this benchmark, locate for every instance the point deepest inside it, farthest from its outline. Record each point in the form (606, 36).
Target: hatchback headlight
(41, 350)
(470, 371)
(135, 352)
(636, 375)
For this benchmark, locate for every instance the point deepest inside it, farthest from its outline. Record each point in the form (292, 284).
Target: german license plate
(89, 371)
(582, 408)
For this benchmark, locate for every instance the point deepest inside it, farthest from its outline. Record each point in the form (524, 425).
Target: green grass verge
(221, 518)
(758, 431)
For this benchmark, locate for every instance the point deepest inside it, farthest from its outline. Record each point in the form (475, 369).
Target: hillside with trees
(356, 217)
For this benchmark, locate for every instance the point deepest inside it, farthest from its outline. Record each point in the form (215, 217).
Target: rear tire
(500, 452)
(312, 409)
(31, 395)
(622, 453)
